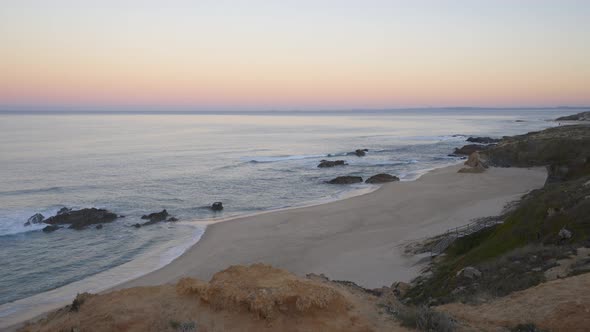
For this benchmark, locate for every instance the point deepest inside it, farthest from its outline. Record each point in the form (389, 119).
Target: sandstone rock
(474, 163)
(37, 218)
(469, 272)
(382, 178)
(79, 219)
(217, 206)
(331, 163)
(346, 180)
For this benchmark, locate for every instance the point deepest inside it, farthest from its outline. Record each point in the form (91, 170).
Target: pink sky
(296, 55)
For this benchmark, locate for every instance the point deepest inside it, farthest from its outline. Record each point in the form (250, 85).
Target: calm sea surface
(137, 164)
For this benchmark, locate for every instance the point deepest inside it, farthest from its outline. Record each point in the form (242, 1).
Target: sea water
(135, 164)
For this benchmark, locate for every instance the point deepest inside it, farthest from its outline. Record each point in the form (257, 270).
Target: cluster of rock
(83, 218)
(76, 219)
(375, 179)
(155, 218)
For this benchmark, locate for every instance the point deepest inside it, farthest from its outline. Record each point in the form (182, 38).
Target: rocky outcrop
(37, 218)
(80, 219)
(483, 140)
(331, 163)
(172, 219)
(382, 178)
(217, 206)
(565, 147)
(470, 148)
(358, 152)
(583, 116)
(346, 180)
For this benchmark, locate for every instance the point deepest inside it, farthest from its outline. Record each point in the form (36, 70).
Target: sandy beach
(358, 239)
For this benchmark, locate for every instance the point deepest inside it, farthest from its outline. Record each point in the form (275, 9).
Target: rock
(564, 234)
(553, 211)
(519, 121)
(37, 218)
(63, 210)
(359, 152)
(138, 225)
(345, 180)
(80, 219)
(483, 140)
(331, 163)
(99, 226)
(584, 116)
(155, 217)
(50, 228)
(382, 178)
(217, 206)
(469, 272)
(471, 148)
(172, 219)
(475, 160)
(474, 163)
(400, 288)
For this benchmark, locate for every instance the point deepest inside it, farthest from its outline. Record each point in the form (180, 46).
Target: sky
(275, 55)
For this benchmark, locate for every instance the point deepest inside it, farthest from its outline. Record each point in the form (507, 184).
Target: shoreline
(521, 179)
(402, 268)
(45, 305)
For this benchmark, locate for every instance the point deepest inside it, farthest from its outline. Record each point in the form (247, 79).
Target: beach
(359, 239)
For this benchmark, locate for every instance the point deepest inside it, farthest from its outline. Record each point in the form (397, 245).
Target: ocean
(135, 164)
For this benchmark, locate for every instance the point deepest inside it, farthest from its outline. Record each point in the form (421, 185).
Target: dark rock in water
(138, 225)
(172, 219)
(37, 218)
(63, 210)
(99, 226)
(156, 216)
(50, 228)
(121, 216)
(358, 152)
(471, 148)
(217, 206)
(330, 163)
(519, 121)
(345, 180)
(483, 140)
(80, 219)
(382, 178)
